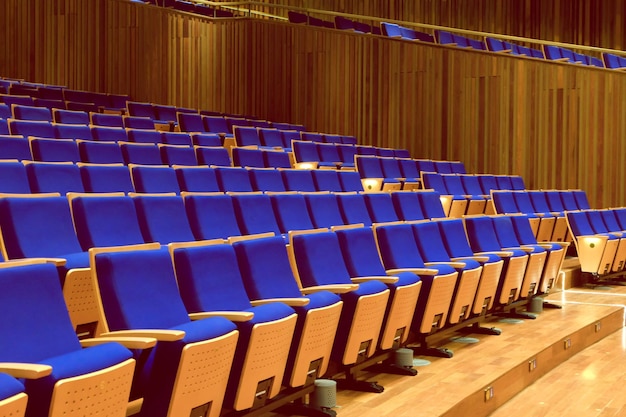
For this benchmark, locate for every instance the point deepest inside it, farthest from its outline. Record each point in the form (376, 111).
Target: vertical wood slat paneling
(559, 126)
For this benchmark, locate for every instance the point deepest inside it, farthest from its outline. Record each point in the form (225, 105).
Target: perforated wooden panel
(316, 342)
(366, 325)
(14, 406)
(400, 314)
(82, 300)
(438, 303)
(488, 286)
(203, 374)
(103, 393)
(464, 295)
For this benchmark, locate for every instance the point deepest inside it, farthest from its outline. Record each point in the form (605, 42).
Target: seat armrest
(158, 334)
(500, 253)
(417, 271)
(292, 302)
(25, 370)
(474, 258)
(452, 264)
(334, 288)
(384, 280)
(237, 316)
(526, 249)
(128, 342)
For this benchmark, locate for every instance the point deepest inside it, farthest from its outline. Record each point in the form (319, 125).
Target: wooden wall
(584, 22)
(558, 125)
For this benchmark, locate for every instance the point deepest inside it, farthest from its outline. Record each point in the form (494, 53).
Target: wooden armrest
(475, 258)
(292, 302)
(452, 264)
(501, 253)
(25, 370)
(55, 261)
(417, 271)
(384, 280)
(334, 288)
(158, 334)
(526, 249)
(237, 316)
(128, 342)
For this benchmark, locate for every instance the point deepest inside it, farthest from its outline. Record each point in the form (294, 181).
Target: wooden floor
(568, 361)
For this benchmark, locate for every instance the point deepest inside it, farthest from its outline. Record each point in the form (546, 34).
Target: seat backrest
(291, 212)
(176, 138)
(54, 150)
(143, 136)
(455, 238)
(482, 234)
(430, 243)
(554, 200)
(431, 205)
(328, 153)
(22, 112)
(216, 124)
(505, 232)
(398, 248)
(271, 137)
(568, 200)
(380, 207)
(453, 184)
(471, 185)
(597, 222)
(13, 178)
(105, 119)
(319, 260)
(73, 131)
(70, 117)
(434, 181)
(369, 167)
(540, 203)
(35, 227)
(350, 181)
(360, 253)
(132, 122)
(246, 136)
(109, 133)
(488, 183)
(15, 147)
(211, 216)
(162, 219)
(255, 214)
(105, 220)
(305, 151)
(140, 153)
(581, 199)
(277, 159)
(246, 157)
(154, 179)
(407, 206)
(196, 179)
(504, 202)
(391, 168)
(233, 179)
(111, 178)
(266, 179)
(353, 209)
(100, 152)
(523, 230)
(178, 155)
(26, 128)
(54, 177)
(190, 122)
(324, 209)
(298, 180)
(326, 180)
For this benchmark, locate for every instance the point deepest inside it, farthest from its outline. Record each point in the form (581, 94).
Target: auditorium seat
(431, 204)
(326, 180)
(454, 205)
(177, 155)
(271, 138)
(324, 209)
(196, 179)
(54, 177)
(132, 122)
(154, 179)
(62, 371)
(70, 117)
(54, 150)
(266, 179)
(353, 208)
(392, 169)
(21, 112)
(329, 156)
(305, 152)
(26, 128)
(372, 175)
(140, 153)
(13, 399)
(176, 138)
(291, 212)
(189, 368)
(109, 134)
(235, 179)
(476, 204)
(277, 159)
(209, 280)
(103, 220)
(213, 156)
(211, 215)
(298, 180)
(407, 206)
(247, 157)
(190, 122)
(143, 136)
(106, 119)
(254, 213)
(106, 178)
(540, 204)
(162, 218)
(380, 207)
(15, 147)
(350, 181)
(13, 178)
(547, 222)
(246, 136)
(97, 152)
(73, 131)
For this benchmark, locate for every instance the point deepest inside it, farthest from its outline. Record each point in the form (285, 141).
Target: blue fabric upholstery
(141, 153)
(154, 179)
(9, 386)
(291, 212)
(254, 214)
(163, 219)
(212, 217)
(380, 207)
(407, 206)
(324, 210)
(266, 180)
(326, 180)
(298, 180)
(52, 177)
(13, 178)
(54, 150)
(100, 152)
(178, 155)
(353, 209)
(233, 179)
(201, 179)
(106, 178)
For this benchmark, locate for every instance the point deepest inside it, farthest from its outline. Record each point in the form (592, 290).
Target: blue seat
(52, 343)
(346, 155)
(380, 207)
(546, 227)
(324, 209)
(392, 169)
(233, 179)
(540, 204)
(246, 136)
(476, 204)
(326, 180)
(391, 30)
(372, 176)
(329, 156)
(320, 262)
(361, 258)
(581, 199)
(26, 128)
(188, 352)
(190, 122)
(15, 147)
(205, 139)
(13, 400)
(105, 119)
(154, 179)
(103, 220)
(211, 216)
(254, 214)
(213, 156)
(210, 280)
(317, 320)
(72, 131)
(431, 205)
(196, 179)
(106, 178)
(266, 179)
(109, 134)
(162, 218)
(407, 206)
(306, 152)
(140, 153)
(271, 138)
(135, 122)
(353, 208)
(483, 238)
(291, 212)
(568, 200)
(247, 157)
(177, 138)
(350, 181)
(143, 136)
(177, 155)
(597, 253)
(54, 150)
(454, 205)
(100, 152)
(217, 124)
(54, 177)
(13, 178)
(22, 112)
(298, 180)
